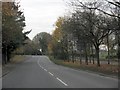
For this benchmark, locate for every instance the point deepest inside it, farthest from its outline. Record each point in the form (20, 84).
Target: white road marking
(62, 81)
(51, 73)
(40, 65)
(45, 70)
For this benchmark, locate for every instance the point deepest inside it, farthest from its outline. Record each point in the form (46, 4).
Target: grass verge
(104, 69)
(12, 64)
(17, 59)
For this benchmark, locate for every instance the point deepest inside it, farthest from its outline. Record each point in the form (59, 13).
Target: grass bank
(17, 59)
(104, 69)
(12, 64)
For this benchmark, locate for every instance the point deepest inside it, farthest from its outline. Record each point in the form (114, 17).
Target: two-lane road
(40, 72)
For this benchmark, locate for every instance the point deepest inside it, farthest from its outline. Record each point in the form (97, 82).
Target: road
(40, 72)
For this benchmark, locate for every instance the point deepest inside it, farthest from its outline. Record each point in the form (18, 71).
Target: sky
(41, 15)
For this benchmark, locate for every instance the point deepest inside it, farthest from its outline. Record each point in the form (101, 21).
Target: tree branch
(96, 8)
(114, 3)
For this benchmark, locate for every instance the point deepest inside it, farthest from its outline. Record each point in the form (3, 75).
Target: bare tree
(107, 7)
(95, 25)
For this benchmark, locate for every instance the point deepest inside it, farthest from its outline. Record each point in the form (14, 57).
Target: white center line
(40, 65)
(62, 81)
(45, 70)
(51, 73)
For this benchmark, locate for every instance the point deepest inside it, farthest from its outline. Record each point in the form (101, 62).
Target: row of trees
(42, 40)
(81, 32)
(13, 23)
(30, 48)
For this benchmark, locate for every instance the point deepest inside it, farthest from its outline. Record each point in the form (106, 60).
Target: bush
(111, 57)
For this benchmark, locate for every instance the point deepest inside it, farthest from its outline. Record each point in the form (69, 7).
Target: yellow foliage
(57, 34)
(8, 9)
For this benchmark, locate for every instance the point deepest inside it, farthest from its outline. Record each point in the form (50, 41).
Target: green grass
(103, 55)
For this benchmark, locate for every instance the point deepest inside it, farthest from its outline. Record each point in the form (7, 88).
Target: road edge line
(61, 81)
(50, 73)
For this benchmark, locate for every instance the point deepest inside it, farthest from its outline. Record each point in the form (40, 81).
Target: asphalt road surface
(40, 72)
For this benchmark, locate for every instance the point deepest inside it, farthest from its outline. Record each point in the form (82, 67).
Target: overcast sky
(42, 14)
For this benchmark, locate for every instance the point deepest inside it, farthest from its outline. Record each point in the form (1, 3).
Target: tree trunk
(72, 55)
(92, 54)
(80, 57)
(90, 59)
(118, 52)
(108, 49)
(86, 56)
(8, 54)
(97, 55)
(93, 60)
(4, 55)
(4, 61)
